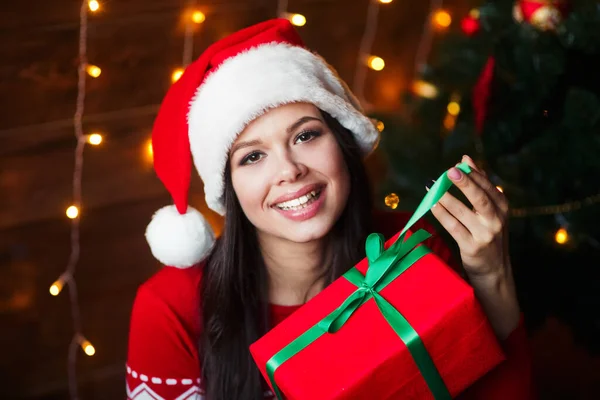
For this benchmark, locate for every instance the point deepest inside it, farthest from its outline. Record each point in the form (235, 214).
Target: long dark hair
(234, 301)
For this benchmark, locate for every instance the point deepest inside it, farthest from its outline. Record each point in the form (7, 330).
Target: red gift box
(366, 359)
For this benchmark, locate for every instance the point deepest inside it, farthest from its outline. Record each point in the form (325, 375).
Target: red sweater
(163, 360)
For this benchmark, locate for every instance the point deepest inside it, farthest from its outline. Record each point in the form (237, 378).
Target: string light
(561, 236)
(557, 208)
(366, 43)
(72, 212)
(86, 346)
(424, 89)
(442, 19)
(93, 70)
(376, 63)
(176, 75)
(297, 19)
(67, 277)
(380, 126)
(93, 5)
(95, 139)
(58, 285)
(198, 17)
(385, 1)
(499, 188)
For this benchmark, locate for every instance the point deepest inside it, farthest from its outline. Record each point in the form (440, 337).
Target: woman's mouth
(303, 207)
(300, 202)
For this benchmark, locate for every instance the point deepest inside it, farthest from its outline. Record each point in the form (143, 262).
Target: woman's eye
(251, 158)
(306, 136)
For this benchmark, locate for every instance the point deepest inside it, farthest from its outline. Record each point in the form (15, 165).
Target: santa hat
(236, 80)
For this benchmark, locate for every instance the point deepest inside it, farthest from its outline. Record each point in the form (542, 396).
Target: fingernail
(454, 174)
(429, 184)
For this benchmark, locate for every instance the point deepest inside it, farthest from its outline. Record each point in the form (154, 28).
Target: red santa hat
(236, 80)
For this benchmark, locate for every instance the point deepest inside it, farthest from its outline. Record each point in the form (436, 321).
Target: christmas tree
(517, 87)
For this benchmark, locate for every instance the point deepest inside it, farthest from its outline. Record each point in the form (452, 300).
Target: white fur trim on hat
(245, 86)
(179, 240)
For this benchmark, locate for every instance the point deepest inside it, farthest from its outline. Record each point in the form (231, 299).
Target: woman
(278, 141)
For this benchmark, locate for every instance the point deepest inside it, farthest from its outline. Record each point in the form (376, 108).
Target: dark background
(138, 44)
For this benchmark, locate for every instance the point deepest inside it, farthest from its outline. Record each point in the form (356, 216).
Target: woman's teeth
(300, 202)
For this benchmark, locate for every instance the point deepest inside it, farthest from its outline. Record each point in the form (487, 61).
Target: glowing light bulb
(198, 17)
(56, 287)
(176, 75)
(392, 200)
(425, 89)
(561, 236)
(297, 19)
(442, 19)
(93, 71)
(453, 108)
(93, 5)
(95, 139)
(385, 1)
(72, 212)
(380, 126)
(87, 347)
(376, 63)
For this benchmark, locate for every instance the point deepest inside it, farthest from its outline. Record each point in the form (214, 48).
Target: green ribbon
(384, 267)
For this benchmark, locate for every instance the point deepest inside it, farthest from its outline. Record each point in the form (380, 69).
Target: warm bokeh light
(376, 63)
(93, 5)
(380, 126)
(95, 139)
(425, 89)
(72, 212)
(442, 19)
(56, 287)
(198, 17)
(297, 19)
(93, 71)
(392, 200)
(88, 348)
(149, 149)
(561, 236)
(385, 1)
(474, 13)
(500, 189)
(449, 122)
(453, 108)
(176, 75)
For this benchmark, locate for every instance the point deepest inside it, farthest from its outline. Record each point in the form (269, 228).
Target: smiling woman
(281, 156)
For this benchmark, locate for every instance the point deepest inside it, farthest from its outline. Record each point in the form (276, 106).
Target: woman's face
(289, 174)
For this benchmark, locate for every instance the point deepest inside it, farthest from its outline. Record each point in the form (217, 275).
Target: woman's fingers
(481, 179)
(477, 196)
(451, 224)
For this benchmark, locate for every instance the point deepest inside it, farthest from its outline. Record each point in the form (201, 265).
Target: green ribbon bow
(384, 267)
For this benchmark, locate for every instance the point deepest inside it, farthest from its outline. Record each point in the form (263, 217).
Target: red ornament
(470, 25)
(481, 94)
(545, 15)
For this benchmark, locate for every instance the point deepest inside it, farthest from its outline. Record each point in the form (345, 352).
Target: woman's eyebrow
(241, 145)
(301, 122)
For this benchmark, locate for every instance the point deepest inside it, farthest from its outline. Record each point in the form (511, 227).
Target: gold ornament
(392, 200)
(546, 18)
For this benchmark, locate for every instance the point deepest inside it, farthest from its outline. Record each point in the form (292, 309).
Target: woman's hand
(482, 236)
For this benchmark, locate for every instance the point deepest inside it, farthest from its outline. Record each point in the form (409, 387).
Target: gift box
(400, 324)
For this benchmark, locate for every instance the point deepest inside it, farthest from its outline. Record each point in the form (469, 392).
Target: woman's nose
(289, 169)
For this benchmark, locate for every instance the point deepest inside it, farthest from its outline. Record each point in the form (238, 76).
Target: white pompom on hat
(236, 80)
